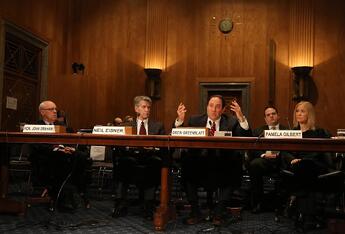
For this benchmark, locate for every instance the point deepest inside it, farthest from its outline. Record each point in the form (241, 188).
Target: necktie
(142, 130)
(212, 129)
(273, 152)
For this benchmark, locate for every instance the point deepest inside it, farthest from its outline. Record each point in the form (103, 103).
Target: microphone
(288, 122)
(66, 120)
(210, 123)
(260, 136)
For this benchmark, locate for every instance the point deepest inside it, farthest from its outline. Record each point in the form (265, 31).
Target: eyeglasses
(50, 109)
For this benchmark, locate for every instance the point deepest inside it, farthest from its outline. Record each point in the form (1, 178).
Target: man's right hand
(181, 112)
(296, 160)
(270, 155)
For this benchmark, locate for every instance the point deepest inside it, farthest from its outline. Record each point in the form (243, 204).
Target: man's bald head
(48, 111)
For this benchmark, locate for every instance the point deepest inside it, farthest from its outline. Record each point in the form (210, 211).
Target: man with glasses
(48, 112)
(56, 165)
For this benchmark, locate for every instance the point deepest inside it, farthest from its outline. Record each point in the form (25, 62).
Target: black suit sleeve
(161, 130)
(237, 130)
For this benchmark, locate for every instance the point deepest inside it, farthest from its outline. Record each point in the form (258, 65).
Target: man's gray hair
(138, 99)
(43, 104)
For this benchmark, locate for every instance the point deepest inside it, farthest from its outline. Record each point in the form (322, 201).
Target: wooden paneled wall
(301, 33)
(115, 40)
(329, 63)
(47, 20)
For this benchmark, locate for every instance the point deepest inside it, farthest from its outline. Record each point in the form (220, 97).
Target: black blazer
(68, 129)
(227, 123)
(223, 166)
(41, 151)
(55, 123)
(321, 158)
(154, 127)
(258, 132)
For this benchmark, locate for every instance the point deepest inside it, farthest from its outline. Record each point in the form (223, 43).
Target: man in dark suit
(264, 162)
(212, 169)
(54, 164)
(139, 166)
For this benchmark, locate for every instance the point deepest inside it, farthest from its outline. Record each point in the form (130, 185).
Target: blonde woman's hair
(311, 114)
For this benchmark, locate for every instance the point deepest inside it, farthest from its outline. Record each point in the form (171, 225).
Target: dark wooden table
(164, 212)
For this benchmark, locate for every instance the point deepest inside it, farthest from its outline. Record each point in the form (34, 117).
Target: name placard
(223, 133)
(39, 128)
(190, 132)
(97, 153)
(341, 133)
(283, 134)
(113, 130)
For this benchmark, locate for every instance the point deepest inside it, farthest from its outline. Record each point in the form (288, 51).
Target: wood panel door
(21, 83)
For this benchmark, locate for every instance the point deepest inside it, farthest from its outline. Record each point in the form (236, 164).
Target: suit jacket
(154, 127)
(320, 158)
(258, 132)
(227, 123)
(214, 167)
(55, 123)
(41, 150)
(44, 149)
(41, 157)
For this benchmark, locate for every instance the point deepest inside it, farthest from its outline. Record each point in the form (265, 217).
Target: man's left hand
(237, 109)
(68, 150)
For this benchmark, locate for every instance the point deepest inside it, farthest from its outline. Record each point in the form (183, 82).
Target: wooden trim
(165, 211)
(242, 143)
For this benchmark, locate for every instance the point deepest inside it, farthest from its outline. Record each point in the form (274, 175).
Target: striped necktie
(212, 129)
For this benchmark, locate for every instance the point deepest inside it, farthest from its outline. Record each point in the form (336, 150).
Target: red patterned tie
(212, 129)
(142, 130)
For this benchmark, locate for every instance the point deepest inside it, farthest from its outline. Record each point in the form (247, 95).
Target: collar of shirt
(146, 124)
(208, 125)
(276, 127)
(47, 123)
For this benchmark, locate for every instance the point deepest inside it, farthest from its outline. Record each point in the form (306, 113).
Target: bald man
(48, 112)
(55, 164)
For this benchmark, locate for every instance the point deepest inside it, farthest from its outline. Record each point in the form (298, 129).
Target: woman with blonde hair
(307, 166)
(304, 116)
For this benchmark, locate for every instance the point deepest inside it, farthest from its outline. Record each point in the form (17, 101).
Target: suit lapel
(150, 127)
(203, 121)
(135, 126)
(222, 124)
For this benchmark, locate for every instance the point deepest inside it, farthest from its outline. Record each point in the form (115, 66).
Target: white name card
(190, 132)
(223, 133)
(97, 153)
(39, 128)
(113, 130)
(283, 134)
(341, 133)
